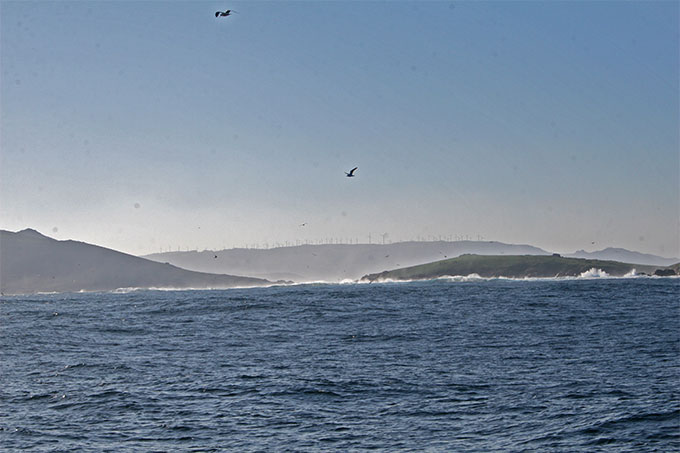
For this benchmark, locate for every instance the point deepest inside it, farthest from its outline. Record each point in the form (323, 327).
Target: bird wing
(217, 14)
(351, 172)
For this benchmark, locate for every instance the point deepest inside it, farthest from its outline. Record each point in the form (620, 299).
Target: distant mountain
(511, 267)
(31, 262)
(334, 262)
(626, 256)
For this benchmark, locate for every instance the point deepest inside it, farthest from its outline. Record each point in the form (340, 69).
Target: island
(524, 266)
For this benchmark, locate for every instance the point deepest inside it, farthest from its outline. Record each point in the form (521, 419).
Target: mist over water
(478, 365)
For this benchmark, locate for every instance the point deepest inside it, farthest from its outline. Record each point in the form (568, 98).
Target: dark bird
(224, 13)
(351, 172)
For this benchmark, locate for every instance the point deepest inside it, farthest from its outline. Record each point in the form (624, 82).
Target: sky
(149, 126)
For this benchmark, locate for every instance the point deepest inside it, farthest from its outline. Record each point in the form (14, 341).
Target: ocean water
(491, 365)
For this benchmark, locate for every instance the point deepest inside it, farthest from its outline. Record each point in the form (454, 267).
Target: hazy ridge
(626, 256)
(332, 262)
(340, 262)
(31, 262)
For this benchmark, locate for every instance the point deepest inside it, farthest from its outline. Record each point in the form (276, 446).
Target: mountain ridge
(337, 262)
(331, 262)
(624, 255)
(31, 262)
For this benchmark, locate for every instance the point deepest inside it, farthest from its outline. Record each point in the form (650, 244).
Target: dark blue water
(580, 365)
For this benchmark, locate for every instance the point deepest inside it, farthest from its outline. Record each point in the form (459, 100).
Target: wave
(631, 274)
(595, 273)
(127, 290)
(591, 274)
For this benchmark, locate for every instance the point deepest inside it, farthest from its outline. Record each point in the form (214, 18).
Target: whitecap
(594, 273)
(463, 278)
(631, 274)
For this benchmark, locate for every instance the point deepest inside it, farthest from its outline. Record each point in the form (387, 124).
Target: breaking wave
(631, 274)
(591, 274)
(594, 273)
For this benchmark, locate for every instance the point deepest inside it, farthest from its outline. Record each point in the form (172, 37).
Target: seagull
(351, 172)
(224, 13)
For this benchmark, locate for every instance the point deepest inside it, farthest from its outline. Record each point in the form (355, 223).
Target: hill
(509, 266)
(625, 256)
(333, 262)
(31, 262)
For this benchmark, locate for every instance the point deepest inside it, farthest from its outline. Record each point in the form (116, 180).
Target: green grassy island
(525, 266)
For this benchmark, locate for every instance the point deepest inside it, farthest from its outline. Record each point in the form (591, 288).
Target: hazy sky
(147, 125)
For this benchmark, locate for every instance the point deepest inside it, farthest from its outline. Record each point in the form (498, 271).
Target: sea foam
(594, 273)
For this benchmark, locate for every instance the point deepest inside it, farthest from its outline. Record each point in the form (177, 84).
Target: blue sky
(148, 125)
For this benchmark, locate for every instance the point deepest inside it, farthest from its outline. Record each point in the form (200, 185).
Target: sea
(469, 365)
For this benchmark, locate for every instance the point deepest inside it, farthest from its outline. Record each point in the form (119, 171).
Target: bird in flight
(224, 13)
(351, 172)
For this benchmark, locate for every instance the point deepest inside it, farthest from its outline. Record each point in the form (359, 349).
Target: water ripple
(423, 366)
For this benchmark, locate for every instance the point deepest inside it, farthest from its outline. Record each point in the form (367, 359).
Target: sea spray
(594, 273)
